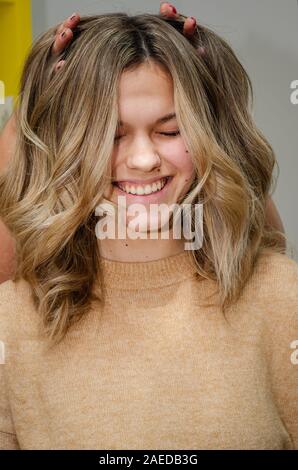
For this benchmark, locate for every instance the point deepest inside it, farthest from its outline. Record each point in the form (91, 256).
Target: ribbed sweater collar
(147, 274)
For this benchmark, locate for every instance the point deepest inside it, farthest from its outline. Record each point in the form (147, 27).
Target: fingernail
(60, 64)
(63, 34)
(193, 19)
(73, 16)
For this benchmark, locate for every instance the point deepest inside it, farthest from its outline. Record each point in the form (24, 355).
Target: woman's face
(156, 167)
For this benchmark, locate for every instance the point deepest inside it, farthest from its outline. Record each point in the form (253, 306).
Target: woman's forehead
(145, 84)
(147, 72)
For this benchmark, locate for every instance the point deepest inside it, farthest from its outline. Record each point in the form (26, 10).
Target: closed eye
(169, 134)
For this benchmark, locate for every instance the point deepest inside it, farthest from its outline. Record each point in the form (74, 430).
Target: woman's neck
(128, 250)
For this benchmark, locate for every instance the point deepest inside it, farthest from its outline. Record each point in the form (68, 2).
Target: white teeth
(141, 190)
(147, 189)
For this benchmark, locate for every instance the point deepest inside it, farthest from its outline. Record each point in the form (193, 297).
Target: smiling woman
(137, 343)
(150, 161)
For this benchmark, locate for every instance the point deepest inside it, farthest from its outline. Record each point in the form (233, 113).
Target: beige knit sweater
(155, 368)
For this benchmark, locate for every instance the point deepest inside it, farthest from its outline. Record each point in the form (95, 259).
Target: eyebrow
(162, 120)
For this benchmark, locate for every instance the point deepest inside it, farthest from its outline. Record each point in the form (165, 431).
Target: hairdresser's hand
(190, 23)
(64, 36)
(64, 33)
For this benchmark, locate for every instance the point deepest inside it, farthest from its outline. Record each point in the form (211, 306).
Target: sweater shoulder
(275, 260)
(14, 293)
(269, 299)
(271, 295)
(16, 305)
(275, 274)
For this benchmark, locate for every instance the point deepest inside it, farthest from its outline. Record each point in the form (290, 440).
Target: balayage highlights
(62, 164)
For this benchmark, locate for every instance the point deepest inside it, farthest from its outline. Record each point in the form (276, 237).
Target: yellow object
(15, 42)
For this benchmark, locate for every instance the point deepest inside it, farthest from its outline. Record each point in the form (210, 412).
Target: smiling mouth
(132, 190)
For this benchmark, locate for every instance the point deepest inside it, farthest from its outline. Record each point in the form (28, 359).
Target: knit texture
(155, 367)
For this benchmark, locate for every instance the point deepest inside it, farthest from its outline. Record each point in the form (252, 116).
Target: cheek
(180, 159)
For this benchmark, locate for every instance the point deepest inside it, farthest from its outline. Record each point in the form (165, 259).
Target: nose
(143, 156)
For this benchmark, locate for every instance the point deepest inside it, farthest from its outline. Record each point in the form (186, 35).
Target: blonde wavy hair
(65, 136)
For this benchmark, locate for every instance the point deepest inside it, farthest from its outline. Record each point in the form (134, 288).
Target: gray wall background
(264, 35)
